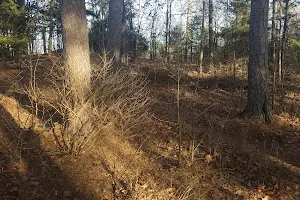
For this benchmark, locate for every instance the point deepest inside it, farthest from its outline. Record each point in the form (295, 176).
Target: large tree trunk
(76, 46)
(258, 92)
(211, 33)
(114, 39)
(78, 69)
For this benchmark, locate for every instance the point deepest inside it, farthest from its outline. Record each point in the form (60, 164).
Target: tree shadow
(164, 76)
(45, 112)
(34, 174)
(266, 151)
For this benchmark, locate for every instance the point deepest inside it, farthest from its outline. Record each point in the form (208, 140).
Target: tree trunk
(187, 32)
(76, 45)
(273, 52)
(273, 36)
(50, 46)
(202, 39)
(167, 33)
(169, 29)
(211, 34)
(78, 68)
(284, 34)
(114, 39)
(280, 44)
(44, 39)
(258, 92)
(153, 35)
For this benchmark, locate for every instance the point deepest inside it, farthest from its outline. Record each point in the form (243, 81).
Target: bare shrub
(120, 97)
(116, 98)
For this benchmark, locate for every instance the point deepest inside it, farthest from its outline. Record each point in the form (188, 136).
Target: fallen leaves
(21, 167)
(67, 193)
(208, 159)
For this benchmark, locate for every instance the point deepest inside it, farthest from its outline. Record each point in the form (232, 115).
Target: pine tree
(258, 91)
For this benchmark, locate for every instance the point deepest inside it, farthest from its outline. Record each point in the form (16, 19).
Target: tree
(273, 35)
(50, 27)
(13, 39)
(177, 43)
(273, 51)
(153, 34)
(284, 36)
(114, 39)
(187, 32)
(235, 32)
(168, 29)
(202, 39)
(78, 67)
(211, 33)
(258, 92)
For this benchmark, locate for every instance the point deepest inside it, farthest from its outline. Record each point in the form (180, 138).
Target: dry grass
(119, 98)
(222, 156)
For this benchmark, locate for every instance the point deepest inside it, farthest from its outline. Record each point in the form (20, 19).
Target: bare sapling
(118, 99)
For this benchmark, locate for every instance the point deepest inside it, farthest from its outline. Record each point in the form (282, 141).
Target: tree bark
(114, 39)
(167, 33)
(44, 39)
(202, 39)
(284, 35)
(153, 35)
(273, 35)
(258, 91)
(211, 34)
(50, 46)
(273, 52)
(76, 46)
(187, 32)
(78, 71)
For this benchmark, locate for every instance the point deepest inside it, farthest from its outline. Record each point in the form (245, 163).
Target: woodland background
(159, 99)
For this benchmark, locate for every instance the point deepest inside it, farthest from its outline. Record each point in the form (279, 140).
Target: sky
(145, 9)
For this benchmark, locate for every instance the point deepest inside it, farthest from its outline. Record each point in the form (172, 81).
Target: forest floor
(222, 156)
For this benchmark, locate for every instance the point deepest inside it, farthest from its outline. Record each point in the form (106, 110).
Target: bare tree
(211, 33)
(114, 39)
(168, 29)
(153, 35)
(202, 38)
(258, 91)
(50, 28)
(187, 31)
(167, 39)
